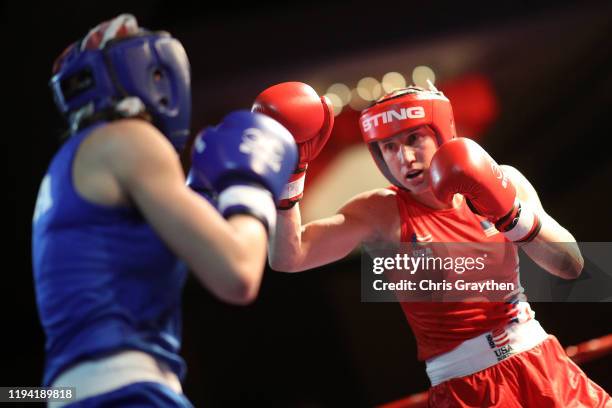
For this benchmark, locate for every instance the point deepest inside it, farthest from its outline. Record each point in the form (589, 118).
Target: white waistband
(94, 377)
(484, 351)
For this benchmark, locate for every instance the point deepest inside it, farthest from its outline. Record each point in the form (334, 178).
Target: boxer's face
(408, 155)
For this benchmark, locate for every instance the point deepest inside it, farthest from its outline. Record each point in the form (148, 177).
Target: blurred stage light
(343, 92)
(357, 102)
(369, 88)
(392, 81)
(421, 74)
(336, 102)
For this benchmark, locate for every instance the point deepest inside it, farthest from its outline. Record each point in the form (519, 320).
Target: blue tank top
(104, 279)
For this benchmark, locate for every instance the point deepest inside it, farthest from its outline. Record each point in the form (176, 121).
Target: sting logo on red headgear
(414, 112)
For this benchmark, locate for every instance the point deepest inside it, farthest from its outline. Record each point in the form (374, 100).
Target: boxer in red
(445, 188)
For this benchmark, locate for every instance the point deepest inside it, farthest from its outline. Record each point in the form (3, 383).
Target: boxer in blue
(116, 226)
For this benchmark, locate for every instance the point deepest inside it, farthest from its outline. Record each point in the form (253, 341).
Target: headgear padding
(121, 70)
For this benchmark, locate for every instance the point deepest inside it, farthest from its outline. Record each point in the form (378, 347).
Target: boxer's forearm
(285, 244)
(296, 248)
(555, 250)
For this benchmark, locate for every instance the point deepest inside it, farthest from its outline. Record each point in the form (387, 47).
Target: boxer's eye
(413, 138)
(389, 147)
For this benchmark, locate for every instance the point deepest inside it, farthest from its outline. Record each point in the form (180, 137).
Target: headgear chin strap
(121, 70)
(402, 110)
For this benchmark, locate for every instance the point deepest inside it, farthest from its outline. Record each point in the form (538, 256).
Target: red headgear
(405, 109)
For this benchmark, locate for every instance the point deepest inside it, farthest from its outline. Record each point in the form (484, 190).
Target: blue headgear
(108, 76)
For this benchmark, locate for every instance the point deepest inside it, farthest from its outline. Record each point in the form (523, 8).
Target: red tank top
(441, 326)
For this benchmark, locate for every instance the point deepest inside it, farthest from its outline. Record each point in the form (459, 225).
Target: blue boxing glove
(246, 160)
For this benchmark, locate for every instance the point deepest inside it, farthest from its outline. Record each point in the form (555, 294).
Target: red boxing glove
(462, 166)
(308, 117)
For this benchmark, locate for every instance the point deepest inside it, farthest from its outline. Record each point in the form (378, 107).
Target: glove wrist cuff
(294, 189)
(523, 224)
(250, 200)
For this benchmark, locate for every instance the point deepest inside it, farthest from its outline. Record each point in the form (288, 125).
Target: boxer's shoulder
(110, 147)
(124, 133)
(371, 202)
(524, 189)
(377, 208)
(125, 141)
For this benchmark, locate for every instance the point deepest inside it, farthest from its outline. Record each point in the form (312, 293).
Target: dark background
(308, 341)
